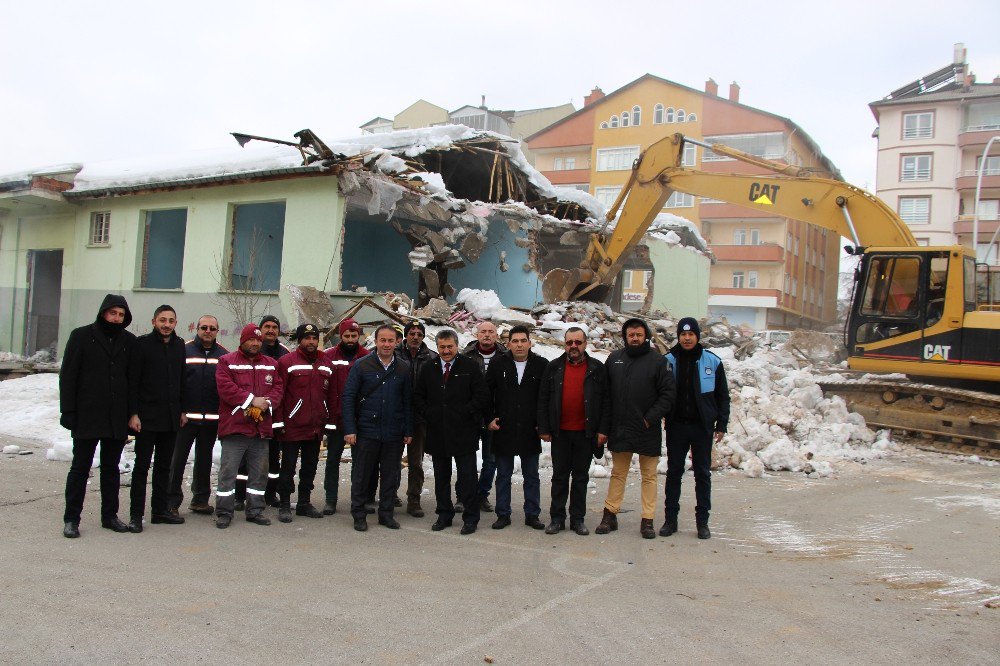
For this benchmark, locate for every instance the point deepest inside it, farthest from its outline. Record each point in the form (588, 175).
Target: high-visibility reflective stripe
(300, 367)
(195, 417)
(212, 361)
(194, 359)
(242, 477)
(297, 407)
(330, 426)
(272, 476)
(339, 363)
(246, 403)
(279, 424)
(255, 492)
(225, 493)
(252, 367)
(202, 417)
(325, 369)
(211, 417)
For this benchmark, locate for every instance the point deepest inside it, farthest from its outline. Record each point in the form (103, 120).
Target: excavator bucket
(580, 284)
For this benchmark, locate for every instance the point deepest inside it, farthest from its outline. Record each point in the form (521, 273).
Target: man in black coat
(93, 405)
(201, 410)
(156, 390)
(451, 397)
(414, 351)
(483, 350)
(514, 380)
(573, 413)
(642, 395)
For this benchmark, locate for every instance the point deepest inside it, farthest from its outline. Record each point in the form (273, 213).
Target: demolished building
(422, 212)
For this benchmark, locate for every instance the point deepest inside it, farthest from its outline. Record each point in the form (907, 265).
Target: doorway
(44, 291)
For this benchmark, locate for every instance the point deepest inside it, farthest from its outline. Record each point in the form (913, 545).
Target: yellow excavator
(916, 309)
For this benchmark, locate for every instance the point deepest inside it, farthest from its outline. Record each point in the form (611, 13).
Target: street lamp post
(975, 204)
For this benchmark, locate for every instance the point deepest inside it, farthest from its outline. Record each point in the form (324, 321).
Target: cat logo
(936, 352)
(764, 194)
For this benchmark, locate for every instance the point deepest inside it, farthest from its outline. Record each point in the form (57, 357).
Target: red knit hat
(250, 332)
(349, 325)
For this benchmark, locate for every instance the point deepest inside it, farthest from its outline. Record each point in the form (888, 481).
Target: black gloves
(598, 451)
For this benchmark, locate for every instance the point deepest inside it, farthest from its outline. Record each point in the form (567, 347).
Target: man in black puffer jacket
(642, 395)
(93, 401)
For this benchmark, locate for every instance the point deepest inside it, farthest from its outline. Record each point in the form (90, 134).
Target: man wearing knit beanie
(700, 418)
(249, 387)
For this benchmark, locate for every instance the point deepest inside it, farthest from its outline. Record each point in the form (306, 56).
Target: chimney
(594, 95)
(734, 92)
(959, 54)
(711, 87)
(482, 104)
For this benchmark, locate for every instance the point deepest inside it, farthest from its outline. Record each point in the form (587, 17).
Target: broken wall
(375, 255)
(680, 279)
(503, 266)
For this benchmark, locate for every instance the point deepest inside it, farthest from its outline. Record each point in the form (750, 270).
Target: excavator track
(943, 419)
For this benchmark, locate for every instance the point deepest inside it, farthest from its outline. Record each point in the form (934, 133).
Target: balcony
(987, 225)
(966, 180)
(976, 137)
(767, 253)
(568, 176)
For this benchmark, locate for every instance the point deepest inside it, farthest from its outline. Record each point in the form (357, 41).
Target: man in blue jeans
(514, 380)
(483, 350)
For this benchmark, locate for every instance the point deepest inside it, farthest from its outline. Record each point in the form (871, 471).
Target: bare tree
(239, 280)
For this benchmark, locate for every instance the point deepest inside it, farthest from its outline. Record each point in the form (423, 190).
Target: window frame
(658, 114)
(636, 116)
(102, 218)
(144, 248)
(627, 153)
(915, 176)
(907, 216)
(738, 279)
(917, 133)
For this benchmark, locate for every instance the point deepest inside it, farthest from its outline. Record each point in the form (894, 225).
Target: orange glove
(255, 413)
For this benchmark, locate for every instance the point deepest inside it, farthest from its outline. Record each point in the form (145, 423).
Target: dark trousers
(465, 485)
(156, 448)
(79, 472)
(310, 461)
(373, 477)
(682, 436)
(532, 487)
(248, 452)
(273, 464)
(366, 455)
(415, 462)
(334, 452)
(571, 453)
(202, 434)
(489, 469)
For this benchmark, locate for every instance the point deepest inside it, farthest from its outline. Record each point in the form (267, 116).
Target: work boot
(71, 530)
(534, 523)
(330, 508)
(222, 522)
(501, 522)
(361, 524)
(396, 501)
(240, 505)
(484, 505)
(646, 528)
(609, 523)
(271, 499)
(259, 519)
(414, 509)
(370, 507)
(285, 514)
(307, 510)
(703, 531)
(204, 509)
(468, 528)
(389, 522)
(669, 527)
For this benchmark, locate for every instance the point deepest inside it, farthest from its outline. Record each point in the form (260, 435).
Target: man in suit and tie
(451, 396)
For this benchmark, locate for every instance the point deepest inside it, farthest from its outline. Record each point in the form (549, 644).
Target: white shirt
(487, 359)
(446, 363)
(520, 365)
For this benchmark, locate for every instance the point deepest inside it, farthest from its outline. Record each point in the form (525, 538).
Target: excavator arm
(792, 192)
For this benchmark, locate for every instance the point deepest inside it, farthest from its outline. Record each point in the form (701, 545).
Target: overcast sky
(83, 82)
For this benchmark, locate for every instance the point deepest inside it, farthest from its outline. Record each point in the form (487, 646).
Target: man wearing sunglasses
(201, 408)
(574, 412)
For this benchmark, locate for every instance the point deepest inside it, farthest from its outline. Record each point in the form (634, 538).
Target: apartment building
(516, 124)
(932, 134)
(769, 272)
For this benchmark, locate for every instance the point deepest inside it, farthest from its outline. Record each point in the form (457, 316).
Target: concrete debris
(437, 311)
(420, 256)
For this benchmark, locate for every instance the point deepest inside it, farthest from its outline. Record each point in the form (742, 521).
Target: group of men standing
(270, 407)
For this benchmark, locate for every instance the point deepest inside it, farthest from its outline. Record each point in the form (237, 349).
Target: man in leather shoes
(249, 386)
(514, 379)
(303, 416)
(93, 405)
(573, 414)
(201, 409)
(156, 393)
(378, 422)
(483, 350)
(451, 397)
(701, 417)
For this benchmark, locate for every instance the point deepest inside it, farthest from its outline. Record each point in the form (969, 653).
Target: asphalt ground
(893, 561)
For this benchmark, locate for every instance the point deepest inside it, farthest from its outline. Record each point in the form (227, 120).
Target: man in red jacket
(303, 416)
(249, 386)
(341, 357)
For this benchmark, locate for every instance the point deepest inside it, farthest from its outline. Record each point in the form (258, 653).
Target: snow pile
(485, 304)
(31, 411)
(41, 356)
(781, 420)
